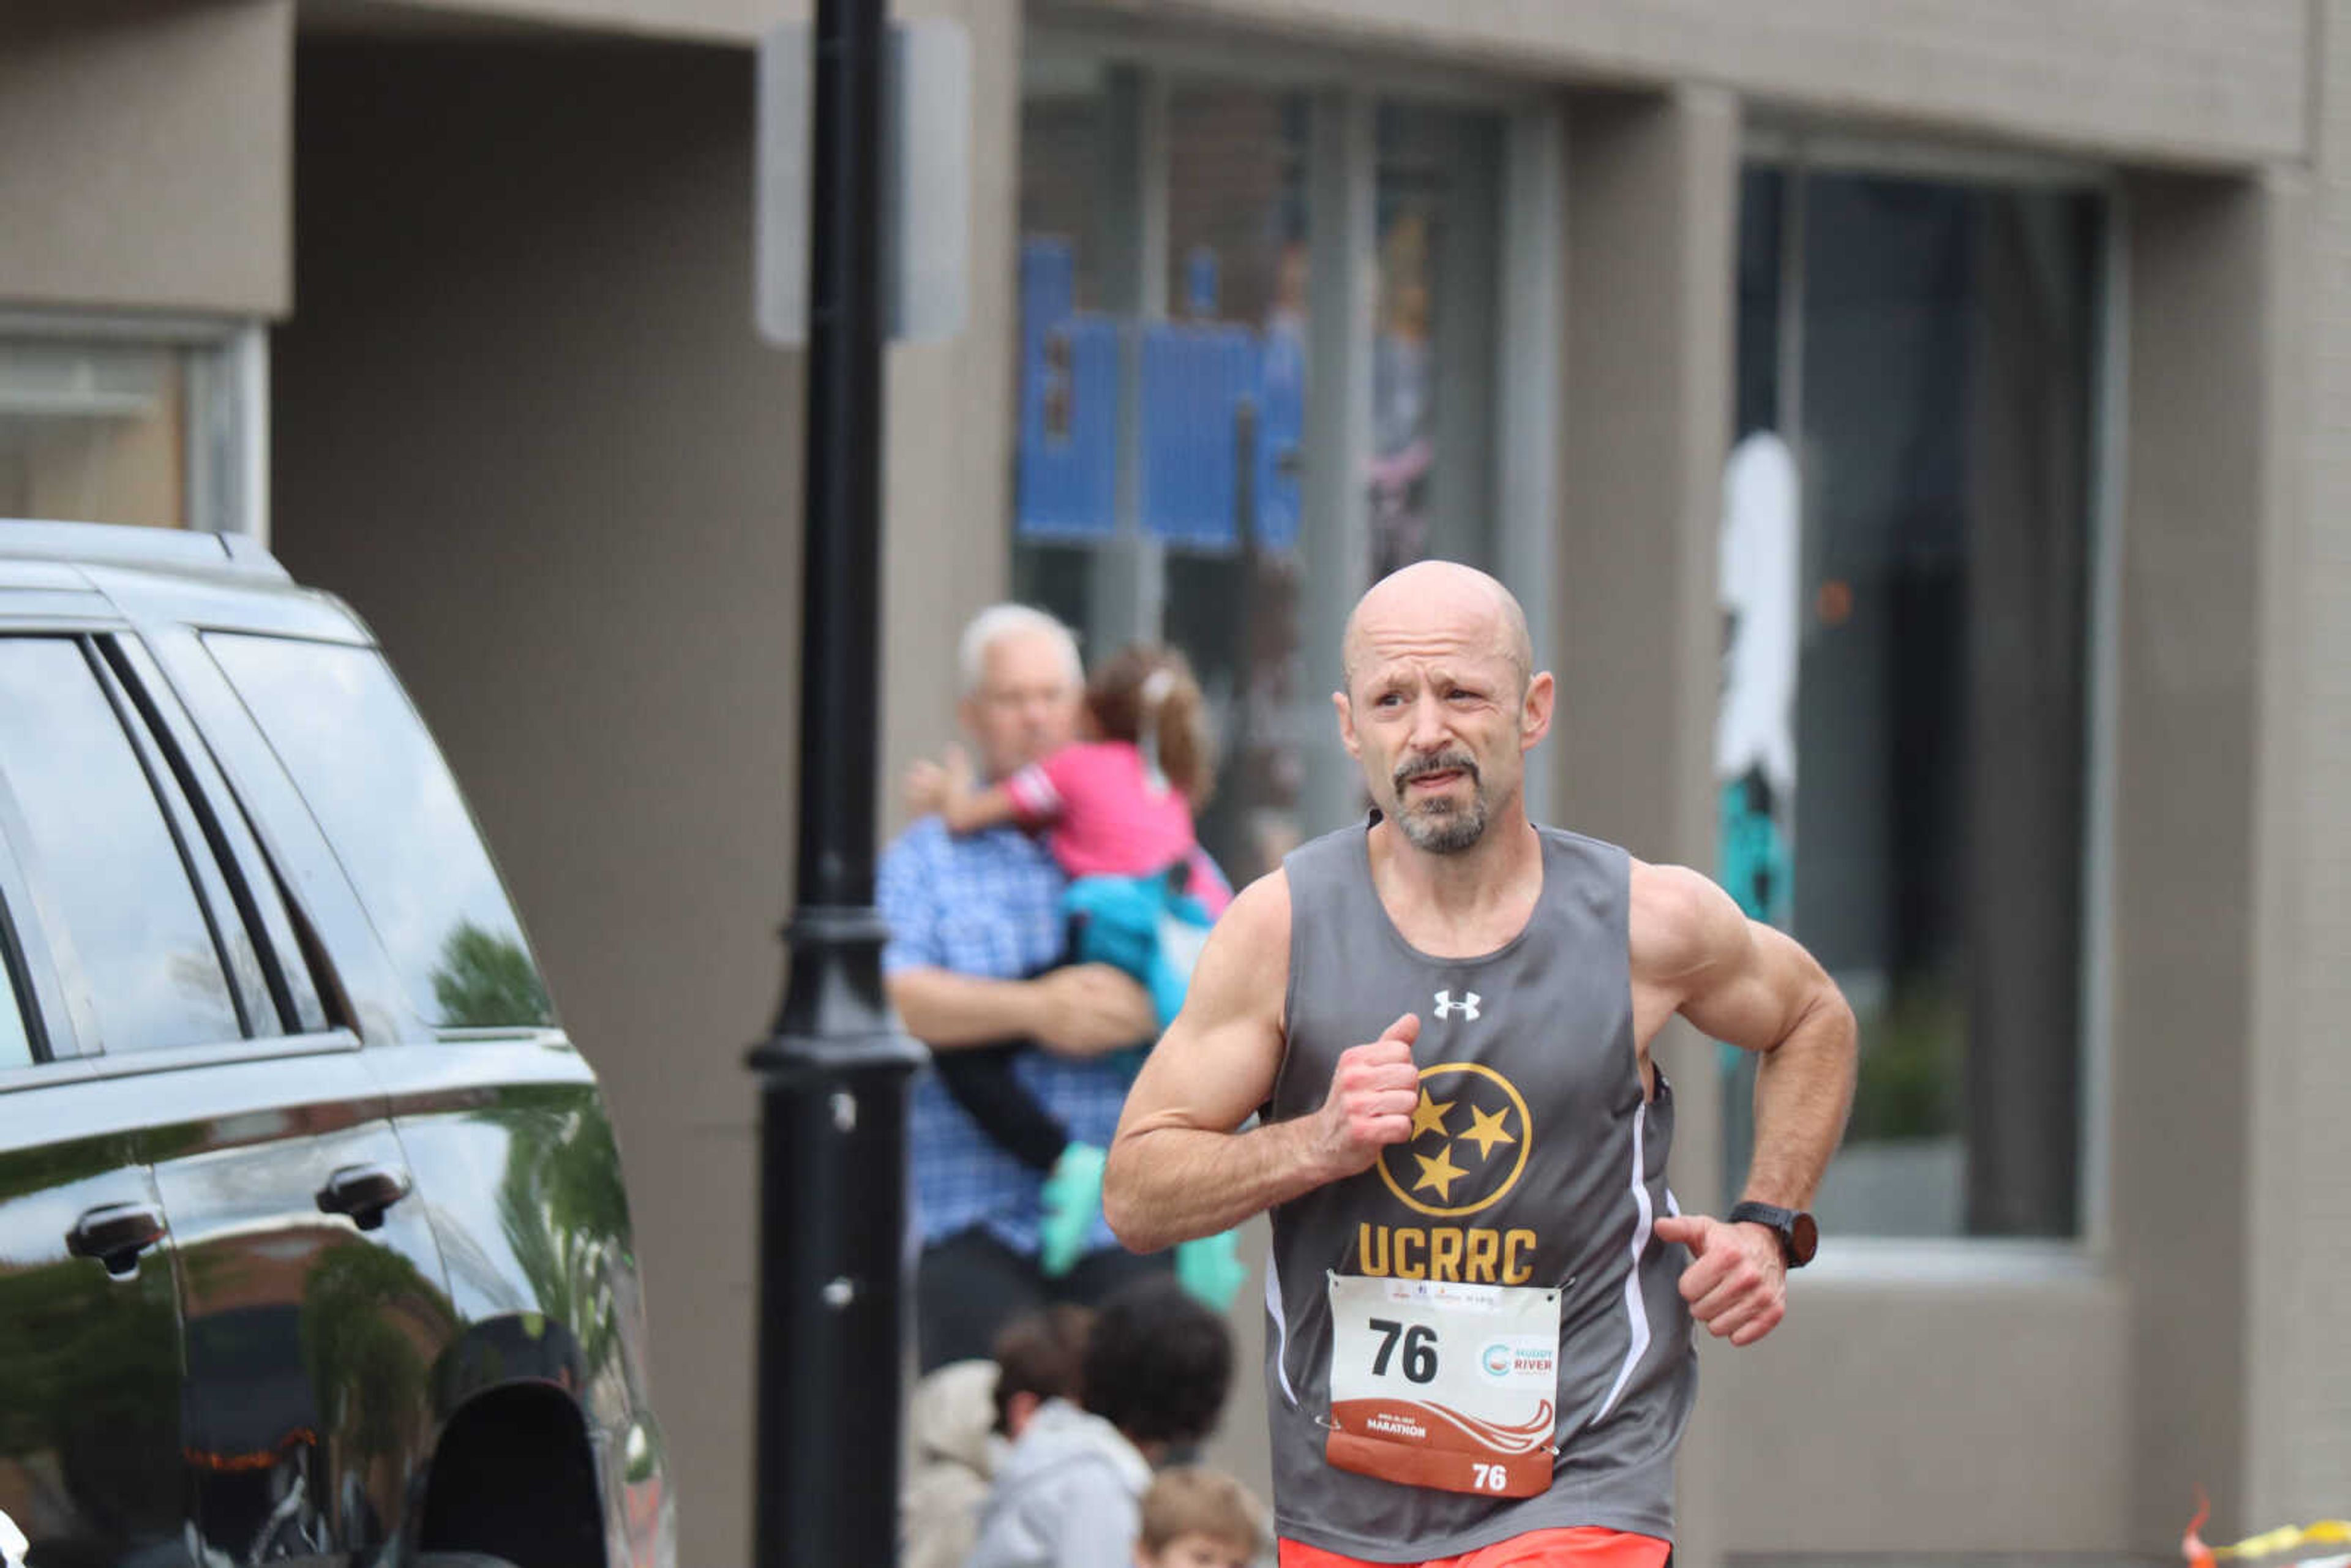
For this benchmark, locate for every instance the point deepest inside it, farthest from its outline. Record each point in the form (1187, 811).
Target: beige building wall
(144, 155)
(2298, 1397)
(2195, 80)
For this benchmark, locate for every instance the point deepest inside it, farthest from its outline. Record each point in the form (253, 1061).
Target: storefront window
(1904, 727)
(1432, 357)
(1237, 260)
(1163, 460)
(99, 424)
(1066, 478)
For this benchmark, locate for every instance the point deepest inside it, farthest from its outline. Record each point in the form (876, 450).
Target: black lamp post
(833, 1154)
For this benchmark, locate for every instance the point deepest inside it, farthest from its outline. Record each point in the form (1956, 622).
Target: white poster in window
(1755, 727)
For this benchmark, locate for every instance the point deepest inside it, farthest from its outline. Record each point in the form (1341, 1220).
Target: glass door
(1903, 745)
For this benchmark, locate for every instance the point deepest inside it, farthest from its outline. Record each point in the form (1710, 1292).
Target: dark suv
(313, 1245)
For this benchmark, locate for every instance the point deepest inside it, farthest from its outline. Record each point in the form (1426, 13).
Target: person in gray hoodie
(963, 1419)
(1069, 1493)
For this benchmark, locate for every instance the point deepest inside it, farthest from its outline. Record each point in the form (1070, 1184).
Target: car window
(109, 869)
(340, 724)
(278, 961)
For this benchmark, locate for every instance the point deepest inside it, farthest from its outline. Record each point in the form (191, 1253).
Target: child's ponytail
(1179, 722)
(1145, 696)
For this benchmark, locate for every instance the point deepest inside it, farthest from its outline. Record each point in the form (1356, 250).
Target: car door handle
(363, 1192)
(115, 1234)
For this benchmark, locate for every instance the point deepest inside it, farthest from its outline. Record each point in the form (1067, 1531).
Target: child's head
(1038, 1356)
(1144, 695)
(1195, 1518)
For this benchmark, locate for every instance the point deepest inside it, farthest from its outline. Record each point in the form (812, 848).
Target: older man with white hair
(976, 934)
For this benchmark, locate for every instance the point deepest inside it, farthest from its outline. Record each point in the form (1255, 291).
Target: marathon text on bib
(1446, 1386)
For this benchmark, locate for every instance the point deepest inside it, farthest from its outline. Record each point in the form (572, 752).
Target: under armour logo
(1447, 1006)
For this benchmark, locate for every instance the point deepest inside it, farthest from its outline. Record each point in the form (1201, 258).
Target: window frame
(1795, 147)
(225, 362)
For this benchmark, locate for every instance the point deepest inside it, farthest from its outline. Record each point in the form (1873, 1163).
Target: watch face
(1803, 1239)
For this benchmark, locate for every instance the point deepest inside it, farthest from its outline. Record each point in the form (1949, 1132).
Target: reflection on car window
(383, 797)
(103, 852)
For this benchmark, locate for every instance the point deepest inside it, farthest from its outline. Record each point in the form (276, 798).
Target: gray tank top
(1549, 1170)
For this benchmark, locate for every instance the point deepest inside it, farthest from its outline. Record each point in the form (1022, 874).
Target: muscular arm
(1177, 1169)
(1695, 954)
(1744, 983)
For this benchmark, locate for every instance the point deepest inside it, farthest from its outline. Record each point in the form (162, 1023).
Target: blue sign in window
(1066, 484)
(1068, 480)
(1281, 438)
(1193, 382)
(1196, 381)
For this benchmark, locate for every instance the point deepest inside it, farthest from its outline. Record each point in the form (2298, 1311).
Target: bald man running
(1480, 1291)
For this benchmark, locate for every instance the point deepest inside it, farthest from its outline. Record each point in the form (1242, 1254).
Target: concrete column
(951, 405)
(1527, 399)
(1129, 570)
(2298, 1385)
(1335, 530)
(2297, 1389)
(1652, 209)
(2205, 259)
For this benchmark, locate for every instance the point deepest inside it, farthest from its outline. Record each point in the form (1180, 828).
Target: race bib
(1444, 1385)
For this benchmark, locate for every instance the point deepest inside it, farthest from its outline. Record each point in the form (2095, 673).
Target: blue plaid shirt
(987, 905)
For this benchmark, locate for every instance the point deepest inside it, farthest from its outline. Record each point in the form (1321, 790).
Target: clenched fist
(1737, 1283)
(1372, 1092)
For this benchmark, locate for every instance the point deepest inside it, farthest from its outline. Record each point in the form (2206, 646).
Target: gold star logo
(1486, 1130)
(1428, 1117)
(1504, 1138)
(1438, 1173)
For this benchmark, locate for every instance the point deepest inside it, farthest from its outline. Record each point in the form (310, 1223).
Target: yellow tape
(2326, 1532)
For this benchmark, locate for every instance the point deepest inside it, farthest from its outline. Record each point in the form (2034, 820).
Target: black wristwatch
(1800, 1237)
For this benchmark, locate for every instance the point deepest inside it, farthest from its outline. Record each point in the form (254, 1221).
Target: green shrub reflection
(486, 980)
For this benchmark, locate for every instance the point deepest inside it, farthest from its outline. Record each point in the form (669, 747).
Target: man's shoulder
(1679, 920)
(1244, 970)
(1259, 911)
